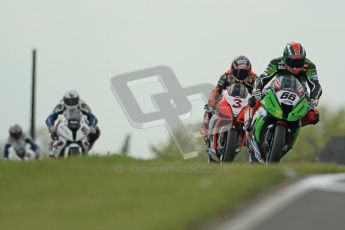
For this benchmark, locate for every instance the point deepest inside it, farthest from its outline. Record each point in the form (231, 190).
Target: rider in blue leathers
(71, 100)
(17, 134)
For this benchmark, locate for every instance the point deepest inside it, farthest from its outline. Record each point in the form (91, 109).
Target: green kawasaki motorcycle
(277, 122)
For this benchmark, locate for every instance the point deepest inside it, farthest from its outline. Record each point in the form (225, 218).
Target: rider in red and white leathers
(240, 72)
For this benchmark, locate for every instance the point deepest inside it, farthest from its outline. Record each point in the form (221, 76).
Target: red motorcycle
(227, 136)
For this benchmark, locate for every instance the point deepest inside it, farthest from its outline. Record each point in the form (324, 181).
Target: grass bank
(122, 193)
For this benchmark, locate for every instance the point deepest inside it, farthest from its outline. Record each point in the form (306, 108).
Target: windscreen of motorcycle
(72, 114)
(73, 117)
(236, 96)
(289, 90)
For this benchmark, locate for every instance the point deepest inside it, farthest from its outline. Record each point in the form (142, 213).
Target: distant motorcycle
(21, 151)
(276, 123)
(227, 136)
(72, 130)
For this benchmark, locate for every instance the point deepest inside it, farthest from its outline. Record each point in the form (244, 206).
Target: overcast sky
(83, 43)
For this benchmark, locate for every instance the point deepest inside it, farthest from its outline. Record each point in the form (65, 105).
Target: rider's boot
(92, 137)
(204, 127)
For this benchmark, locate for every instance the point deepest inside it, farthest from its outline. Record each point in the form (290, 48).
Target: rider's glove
(257, 94)
(92, 130)
(52, 129)
(252, 101)
(209, 109)
(315, 102)
(311, 105)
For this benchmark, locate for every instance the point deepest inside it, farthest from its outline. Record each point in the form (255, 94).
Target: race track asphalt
(315, 203)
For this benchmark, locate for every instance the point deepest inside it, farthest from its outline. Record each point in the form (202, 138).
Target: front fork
(291, 139)
(221, 141)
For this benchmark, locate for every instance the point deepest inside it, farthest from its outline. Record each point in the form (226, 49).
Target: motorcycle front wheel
(230, 147)
(278, 142)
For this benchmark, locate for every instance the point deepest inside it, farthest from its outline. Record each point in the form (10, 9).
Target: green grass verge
(122, 193)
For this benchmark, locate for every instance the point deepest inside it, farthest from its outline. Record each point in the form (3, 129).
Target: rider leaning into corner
(71, 100)
(17, 134)
(240, 72)
(295, 63)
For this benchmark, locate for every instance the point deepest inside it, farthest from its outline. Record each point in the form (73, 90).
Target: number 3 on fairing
(288, 95)
(238, 103)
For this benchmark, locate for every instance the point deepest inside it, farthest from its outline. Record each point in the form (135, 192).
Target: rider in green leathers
(295, 63)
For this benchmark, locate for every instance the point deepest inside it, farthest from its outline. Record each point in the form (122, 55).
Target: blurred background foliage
(314, 137)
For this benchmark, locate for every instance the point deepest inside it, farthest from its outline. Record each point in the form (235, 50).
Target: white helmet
(71, 98)
(15, 131)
